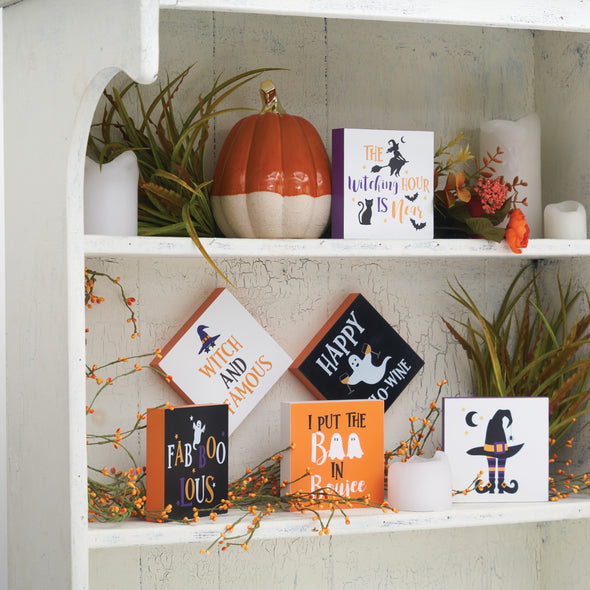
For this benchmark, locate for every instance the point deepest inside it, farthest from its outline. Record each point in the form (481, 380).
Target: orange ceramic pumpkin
(272, 178)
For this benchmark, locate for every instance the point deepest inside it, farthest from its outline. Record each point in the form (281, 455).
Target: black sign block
(187, 467)
(357, 355)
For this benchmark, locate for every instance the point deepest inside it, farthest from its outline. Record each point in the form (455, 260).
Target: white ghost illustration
(336, 450)
(364, 370)
(354, 446)
(198, 430)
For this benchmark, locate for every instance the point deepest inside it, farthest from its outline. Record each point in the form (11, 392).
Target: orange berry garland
(90, 277)
(562, 483)
(119, 494)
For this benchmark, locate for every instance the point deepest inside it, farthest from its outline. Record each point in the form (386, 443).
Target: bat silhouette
(413, 197)
(416, 225)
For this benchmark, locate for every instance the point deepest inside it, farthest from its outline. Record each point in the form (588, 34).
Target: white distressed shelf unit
(106, 246)
(563, 16)
(46, 247)
(362, 521)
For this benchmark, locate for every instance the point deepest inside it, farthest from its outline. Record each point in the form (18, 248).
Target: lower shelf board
(134, 533)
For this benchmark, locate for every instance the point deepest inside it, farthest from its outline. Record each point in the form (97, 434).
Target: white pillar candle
(110, 196)
(421, 484)
(521, 143)
(565, 221)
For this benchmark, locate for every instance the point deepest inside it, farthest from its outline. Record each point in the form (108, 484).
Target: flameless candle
(521, 143)
(110, 196)
(565, 220)
(421, 484)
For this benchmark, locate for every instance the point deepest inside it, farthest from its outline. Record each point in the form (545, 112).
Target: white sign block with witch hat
(222, 355)
(503, 443)
(382, 184)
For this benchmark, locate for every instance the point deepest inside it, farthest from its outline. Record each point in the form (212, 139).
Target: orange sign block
(339, 443)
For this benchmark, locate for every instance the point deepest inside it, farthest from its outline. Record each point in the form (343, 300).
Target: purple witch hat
(207, 342)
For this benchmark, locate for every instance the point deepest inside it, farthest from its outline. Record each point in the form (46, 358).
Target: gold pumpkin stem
(270, 100)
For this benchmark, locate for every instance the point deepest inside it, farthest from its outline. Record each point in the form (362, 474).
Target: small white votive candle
(565, 221)
(421, 484)
(110, 196)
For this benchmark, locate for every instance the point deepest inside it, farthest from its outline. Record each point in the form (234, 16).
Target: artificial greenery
(529, 348)
(173, 188)
(474, 200)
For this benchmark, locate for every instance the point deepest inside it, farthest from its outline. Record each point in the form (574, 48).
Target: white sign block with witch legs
(506, 439)
(382, 184)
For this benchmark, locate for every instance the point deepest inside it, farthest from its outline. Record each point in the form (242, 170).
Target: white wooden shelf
(362, 521)
(565, 15)
(113, 246)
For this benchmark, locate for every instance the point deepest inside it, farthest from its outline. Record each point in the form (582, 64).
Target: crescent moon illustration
(402, 140)
(469, 419)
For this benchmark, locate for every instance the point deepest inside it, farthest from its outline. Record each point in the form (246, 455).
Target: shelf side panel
(56, 59)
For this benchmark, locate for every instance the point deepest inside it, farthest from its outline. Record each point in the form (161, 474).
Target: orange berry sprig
(119, 496)
(476, 483)
(324, 499)
(258, 495)
(562, 480)
(103, 383)
(122, 495)
(420, 431)
(90, 298)
(116, 438)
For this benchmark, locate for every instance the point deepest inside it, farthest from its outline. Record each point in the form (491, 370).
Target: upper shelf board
(105, 246)
(565, 15)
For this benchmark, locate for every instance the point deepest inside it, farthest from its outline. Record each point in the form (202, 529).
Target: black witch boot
(488, 488)
(504, 487)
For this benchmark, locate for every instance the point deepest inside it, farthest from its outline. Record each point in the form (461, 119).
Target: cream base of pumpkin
(270, 215)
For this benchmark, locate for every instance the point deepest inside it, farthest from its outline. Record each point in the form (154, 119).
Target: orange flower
(517, 232)
(492, 193)
(455, 188)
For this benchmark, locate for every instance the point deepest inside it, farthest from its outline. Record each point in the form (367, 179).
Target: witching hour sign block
(382, 184)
